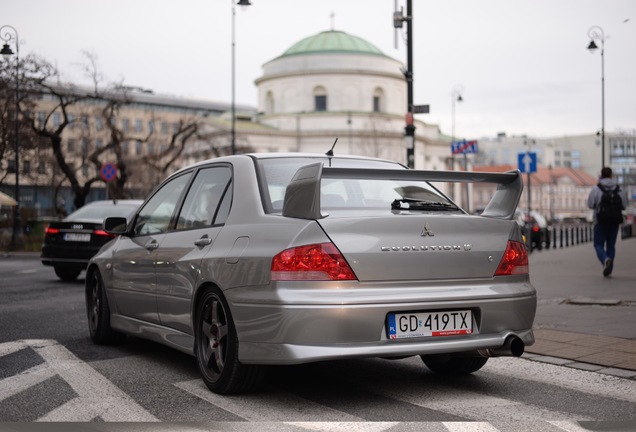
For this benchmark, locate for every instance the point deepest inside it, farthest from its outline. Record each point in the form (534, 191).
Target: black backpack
(610, 210)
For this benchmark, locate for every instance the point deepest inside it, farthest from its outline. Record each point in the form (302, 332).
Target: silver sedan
(273, 259)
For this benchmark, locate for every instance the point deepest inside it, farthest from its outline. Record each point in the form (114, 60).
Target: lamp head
(592, 46)
(460, 98)
(6, 51)
(244, 3)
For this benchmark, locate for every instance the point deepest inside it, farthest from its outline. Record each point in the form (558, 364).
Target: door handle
(203, 241)
(152, 245)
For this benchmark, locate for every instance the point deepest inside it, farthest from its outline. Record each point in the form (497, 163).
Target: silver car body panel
(399, 265)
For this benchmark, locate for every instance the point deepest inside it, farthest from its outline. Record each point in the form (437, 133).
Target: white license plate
(75, 237)
(429, 324)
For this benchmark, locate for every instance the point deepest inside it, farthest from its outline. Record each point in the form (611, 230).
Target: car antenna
(330, 152)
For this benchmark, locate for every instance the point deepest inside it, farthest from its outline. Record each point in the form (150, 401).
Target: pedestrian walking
(608, 201)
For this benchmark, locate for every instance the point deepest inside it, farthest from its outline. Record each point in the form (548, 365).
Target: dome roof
(332, 42)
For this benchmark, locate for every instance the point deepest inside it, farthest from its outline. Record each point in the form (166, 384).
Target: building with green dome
(334, 85)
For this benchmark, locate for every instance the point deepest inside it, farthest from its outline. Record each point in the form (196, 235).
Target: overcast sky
(523, 64)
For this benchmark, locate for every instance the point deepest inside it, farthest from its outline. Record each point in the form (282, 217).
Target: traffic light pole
(409, 130)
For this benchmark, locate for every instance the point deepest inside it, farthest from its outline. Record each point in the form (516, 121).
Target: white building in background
(330, 86)
(579, 152)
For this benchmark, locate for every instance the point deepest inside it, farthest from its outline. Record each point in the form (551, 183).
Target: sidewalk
(585, 320)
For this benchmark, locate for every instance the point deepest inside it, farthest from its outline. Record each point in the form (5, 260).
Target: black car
(70, 243)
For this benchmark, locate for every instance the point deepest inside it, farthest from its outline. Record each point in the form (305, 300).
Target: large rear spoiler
(302, 197)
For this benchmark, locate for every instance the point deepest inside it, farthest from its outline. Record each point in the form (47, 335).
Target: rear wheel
(216, 347)
(98, 312)
(67, 273)
(449, 365)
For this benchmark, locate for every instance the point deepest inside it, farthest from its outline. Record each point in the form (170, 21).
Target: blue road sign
(464, 147)
(527, 162)
(109, 172)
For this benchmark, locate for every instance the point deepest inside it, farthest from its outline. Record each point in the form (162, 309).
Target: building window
(41, 119)
(42, 168)
(138, 126)
(56, 119)
(71, 146)
(269, 103)
(378, 100)
(99, 123)
(138, 147)
(164, 128)
(320, 99)
(151, 126)
(125, 125)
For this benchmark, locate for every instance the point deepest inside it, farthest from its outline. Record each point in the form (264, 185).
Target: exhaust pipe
(513, 346)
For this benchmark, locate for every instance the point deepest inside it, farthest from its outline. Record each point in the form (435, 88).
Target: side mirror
(115, 225)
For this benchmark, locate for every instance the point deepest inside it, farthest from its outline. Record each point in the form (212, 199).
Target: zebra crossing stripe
(277, 406)
(97, 396)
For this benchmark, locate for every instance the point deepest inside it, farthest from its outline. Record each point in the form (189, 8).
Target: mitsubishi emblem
(427, 231)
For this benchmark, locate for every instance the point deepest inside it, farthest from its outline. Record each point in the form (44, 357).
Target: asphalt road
(50, 371)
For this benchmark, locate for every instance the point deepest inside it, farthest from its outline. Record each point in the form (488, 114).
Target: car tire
(450, 365)
(98, 312)
(67, 273)
(216, 347)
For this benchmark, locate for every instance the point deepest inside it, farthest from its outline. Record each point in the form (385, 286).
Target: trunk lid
(415, 246)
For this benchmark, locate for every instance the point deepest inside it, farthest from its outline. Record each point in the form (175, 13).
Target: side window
(154, 217)
(208, 201)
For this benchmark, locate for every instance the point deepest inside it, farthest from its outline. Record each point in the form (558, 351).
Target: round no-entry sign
(109, 172)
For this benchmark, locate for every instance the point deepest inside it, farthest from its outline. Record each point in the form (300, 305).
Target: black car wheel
(449, 365)
(216, 347)
(67, 273)
(98, 312)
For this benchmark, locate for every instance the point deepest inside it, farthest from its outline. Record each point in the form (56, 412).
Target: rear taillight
(514, 260)
(321, 261)
(103, 233)
(535, 228)
(51, 231)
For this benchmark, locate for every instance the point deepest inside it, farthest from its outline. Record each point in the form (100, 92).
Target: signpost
(465, 147)
(527, 162)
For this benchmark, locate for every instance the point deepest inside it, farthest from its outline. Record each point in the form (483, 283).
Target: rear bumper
(258, 353)
(319, 328)
(67, 255)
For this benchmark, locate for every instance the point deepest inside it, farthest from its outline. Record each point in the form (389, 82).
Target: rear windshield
(99, 212)
(275, 175)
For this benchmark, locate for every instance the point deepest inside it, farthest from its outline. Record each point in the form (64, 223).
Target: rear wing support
(302, 197)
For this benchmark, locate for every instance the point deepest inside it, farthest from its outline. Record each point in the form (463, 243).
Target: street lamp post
(409, 129)
(7, 34)
(233, 109)
(596, 33)
(456, 96)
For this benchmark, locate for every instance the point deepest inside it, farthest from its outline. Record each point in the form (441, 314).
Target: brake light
(514, 260)
(51, 231)
(321, 261)
(103, 233)
(535, 228)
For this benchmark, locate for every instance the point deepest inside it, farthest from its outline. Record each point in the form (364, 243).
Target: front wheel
(449, 365)
(216, 347)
